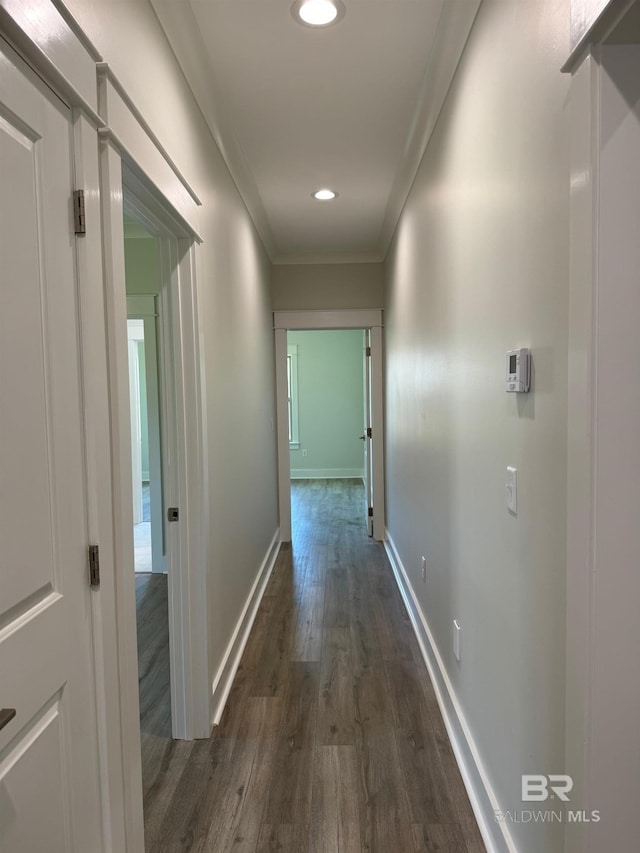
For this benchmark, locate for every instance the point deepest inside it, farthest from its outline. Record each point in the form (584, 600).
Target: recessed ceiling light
(324, 195)
(318, 13)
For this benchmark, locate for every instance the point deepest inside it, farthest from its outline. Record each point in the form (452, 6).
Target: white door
(49, 782)
(368, 434)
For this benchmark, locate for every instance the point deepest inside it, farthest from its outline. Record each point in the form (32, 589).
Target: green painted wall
(330, 402)
(141, 266)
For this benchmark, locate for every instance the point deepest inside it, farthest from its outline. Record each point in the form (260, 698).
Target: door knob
(362, 437)
(6, 715)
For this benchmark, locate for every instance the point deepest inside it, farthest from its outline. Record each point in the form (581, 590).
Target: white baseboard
(231, 660)
(326, 473)
(495, 834)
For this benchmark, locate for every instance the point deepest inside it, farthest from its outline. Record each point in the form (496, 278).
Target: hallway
(331, 739)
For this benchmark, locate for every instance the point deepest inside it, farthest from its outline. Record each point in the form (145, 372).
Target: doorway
(372, 465)
(146, 395)
(328, 416)
(144, 287)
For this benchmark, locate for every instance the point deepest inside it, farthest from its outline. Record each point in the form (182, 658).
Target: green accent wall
(330, 403)
(141, 266)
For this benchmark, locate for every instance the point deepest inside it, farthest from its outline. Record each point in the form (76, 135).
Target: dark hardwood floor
(153, 674)
(332, 740)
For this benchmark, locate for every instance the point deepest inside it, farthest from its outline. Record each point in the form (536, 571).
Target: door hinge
(94, 565)
(368, 351)
(79, 221)
(369, 432)
(370, 512)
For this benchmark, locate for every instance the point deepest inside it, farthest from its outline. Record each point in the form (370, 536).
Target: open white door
(49, 777)
(367, 436)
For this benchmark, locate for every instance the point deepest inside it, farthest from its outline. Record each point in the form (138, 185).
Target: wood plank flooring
(153, 674)
(331, 741)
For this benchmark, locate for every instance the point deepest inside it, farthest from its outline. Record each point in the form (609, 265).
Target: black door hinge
(79, 220)
(94, 565)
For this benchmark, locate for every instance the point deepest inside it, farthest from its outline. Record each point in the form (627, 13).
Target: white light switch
(456, 638)
(511, 487)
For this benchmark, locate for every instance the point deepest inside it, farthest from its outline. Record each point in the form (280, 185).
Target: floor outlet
(456, 639)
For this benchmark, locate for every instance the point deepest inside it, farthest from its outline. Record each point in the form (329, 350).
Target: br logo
(538, 788)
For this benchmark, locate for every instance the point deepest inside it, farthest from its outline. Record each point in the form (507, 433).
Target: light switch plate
(511, 487)
(457, 630)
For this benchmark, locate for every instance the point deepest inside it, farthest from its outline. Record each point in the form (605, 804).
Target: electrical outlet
(305, 452)
(424, 569)
(456, 639)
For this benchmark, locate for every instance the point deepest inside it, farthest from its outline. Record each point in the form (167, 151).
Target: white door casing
(183, 452)
(49, 774)
(368, 432)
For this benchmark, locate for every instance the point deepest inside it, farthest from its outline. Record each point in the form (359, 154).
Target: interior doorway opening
(328, 415)
(144, 287)
(146, 434)
(367, 326)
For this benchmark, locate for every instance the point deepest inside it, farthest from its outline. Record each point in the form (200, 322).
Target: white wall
(479, 265)
(233, 277)
(307, 287)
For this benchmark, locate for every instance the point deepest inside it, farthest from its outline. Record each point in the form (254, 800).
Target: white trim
(581, 433)
(184, 36)
(483, 800)
(326, 473)
(183, 480)
(231, 661)
(454, 26)
(282, 435)
(66, 62)
(603, 473)
(356, 318)
(105, 71)
(100, 528)
(127, 131)
(593, 28)
(292, 353)
(376, 445)
(123, 608)
(293, 259)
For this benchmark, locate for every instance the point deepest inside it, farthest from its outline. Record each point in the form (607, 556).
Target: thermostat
(518, 370)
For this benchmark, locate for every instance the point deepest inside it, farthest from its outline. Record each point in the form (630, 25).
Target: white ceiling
(294, 109)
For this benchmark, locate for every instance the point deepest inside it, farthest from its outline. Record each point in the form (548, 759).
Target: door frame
(124, 185)
(603, 474)
(368, 319)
